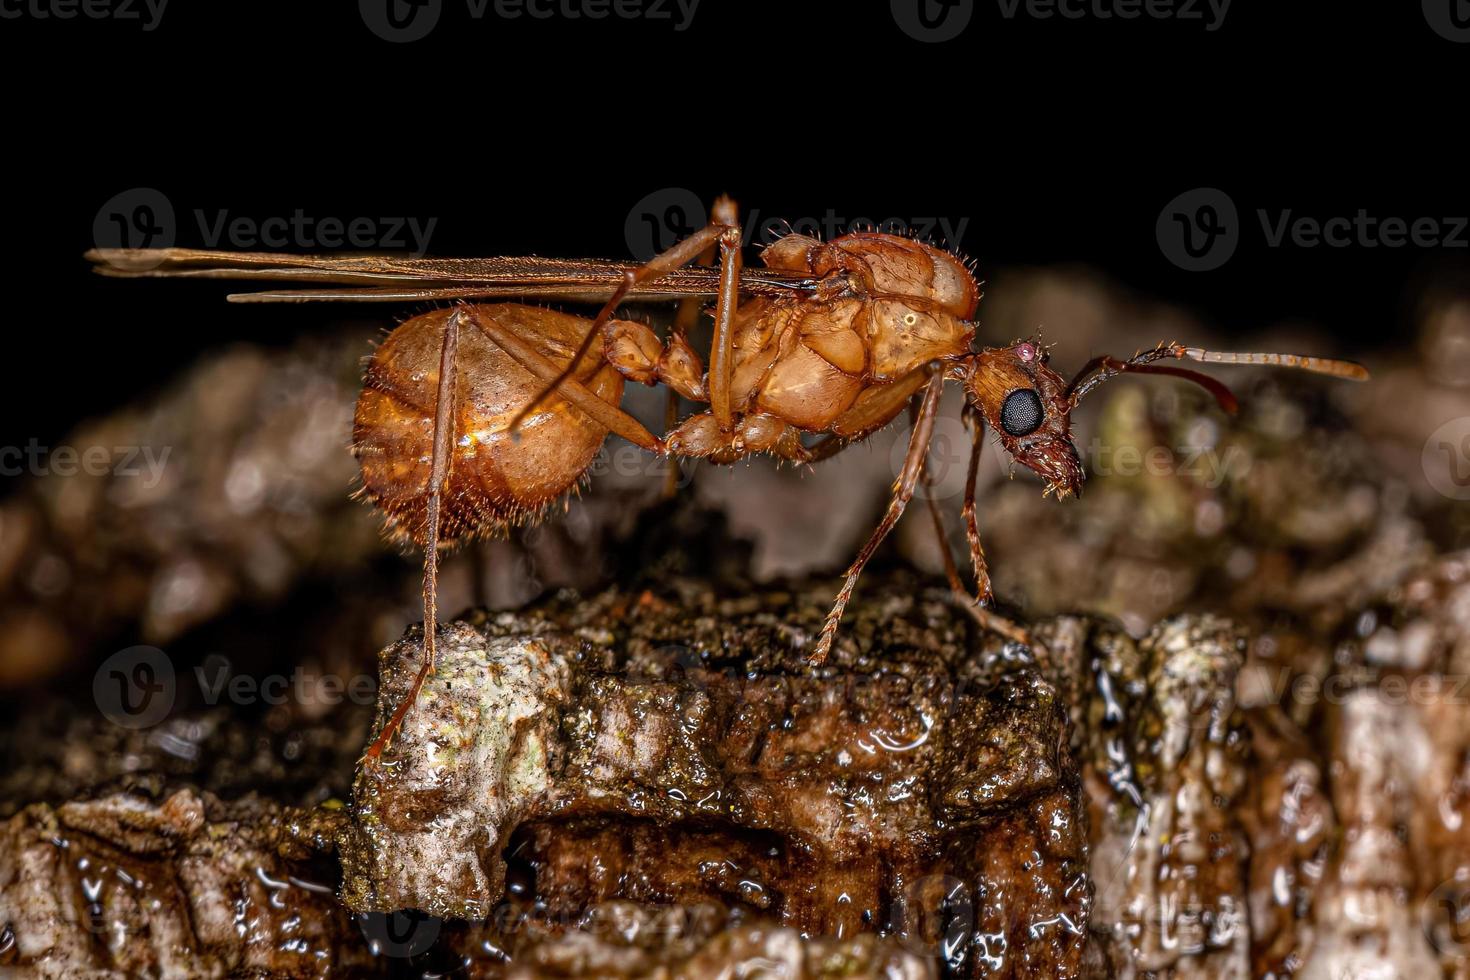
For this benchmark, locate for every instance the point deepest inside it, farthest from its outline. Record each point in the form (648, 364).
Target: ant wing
(387, 278)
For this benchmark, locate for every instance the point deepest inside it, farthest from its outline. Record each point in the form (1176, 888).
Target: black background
(1057, 140)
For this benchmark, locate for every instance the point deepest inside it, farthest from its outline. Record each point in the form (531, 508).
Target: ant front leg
(984, 596)
(913, 466)
(983, 593)
(974, 605)
(433, 491)
(941, 536)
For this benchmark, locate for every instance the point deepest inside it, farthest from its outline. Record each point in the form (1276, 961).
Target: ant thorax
(889, 305)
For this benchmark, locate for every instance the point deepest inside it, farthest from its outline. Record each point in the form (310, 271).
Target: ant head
(1027, 405)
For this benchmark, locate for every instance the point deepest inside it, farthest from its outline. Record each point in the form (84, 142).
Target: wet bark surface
(1237, 746)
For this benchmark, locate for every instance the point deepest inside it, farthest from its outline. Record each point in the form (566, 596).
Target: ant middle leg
(983, 591)
(951, 570)
(908, 479)
(975, 605)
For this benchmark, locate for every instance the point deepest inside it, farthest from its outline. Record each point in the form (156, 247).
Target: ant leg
(681, 254)
(976, 605)
(903, 490)
(526, 355)
(438, 473)
(951, 570)
(721, 355)
(684, 320)
(973, 605)
(983, 594)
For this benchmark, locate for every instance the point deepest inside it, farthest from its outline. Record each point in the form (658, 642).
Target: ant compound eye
(1022, 414)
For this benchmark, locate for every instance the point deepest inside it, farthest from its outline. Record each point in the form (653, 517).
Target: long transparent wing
(385, 278)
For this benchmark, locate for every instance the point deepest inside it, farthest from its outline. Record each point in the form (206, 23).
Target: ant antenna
(1100, 369)
(1348, 370)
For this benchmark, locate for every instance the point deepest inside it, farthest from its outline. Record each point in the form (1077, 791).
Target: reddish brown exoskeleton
(477, 417)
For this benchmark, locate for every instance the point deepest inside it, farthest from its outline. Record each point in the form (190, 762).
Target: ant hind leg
(444, 417)
(719, 230)
(527, 356)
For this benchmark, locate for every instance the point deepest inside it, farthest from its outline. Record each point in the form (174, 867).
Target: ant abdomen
(495, 479)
